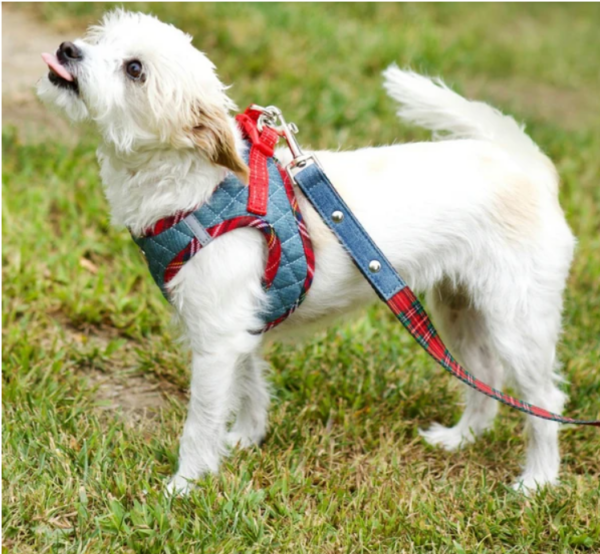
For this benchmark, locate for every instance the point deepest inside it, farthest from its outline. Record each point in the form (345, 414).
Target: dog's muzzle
(60, 66)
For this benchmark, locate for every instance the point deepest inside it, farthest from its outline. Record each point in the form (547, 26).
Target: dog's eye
(134, 69)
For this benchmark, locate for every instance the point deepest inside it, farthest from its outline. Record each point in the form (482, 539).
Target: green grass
(343, 469)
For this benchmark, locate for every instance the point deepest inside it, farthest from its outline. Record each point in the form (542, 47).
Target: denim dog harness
(269, 205)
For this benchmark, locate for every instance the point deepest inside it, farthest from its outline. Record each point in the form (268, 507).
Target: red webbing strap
(263, 143)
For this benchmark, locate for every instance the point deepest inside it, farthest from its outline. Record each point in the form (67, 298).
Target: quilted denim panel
(227, 202)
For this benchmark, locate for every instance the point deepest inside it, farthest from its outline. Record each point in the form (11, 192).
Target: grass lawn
(343, 468)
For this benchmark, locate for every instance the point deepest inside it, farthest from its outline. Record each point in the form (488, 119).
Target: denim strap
(325, 199)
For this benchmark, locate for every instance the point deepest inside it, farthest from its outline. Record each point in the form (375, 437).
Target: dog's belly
(435, 210)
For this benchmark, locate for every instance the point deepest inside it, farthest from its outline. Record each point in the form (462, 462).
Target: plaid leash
(390, 287)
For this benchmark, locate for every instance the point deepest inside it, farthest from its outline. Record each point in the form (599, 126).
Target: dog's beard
(64, 98)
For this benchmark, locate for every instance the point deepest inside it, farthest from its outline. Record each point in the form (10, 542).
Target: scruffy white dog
(473, 219)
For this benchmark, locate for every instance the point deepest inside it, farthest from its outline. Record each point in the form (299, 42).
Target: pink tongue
(56, 66)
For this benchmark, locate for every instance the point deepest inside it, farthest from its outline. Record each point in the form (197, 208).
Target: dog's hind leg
(526, 344)
(252, 394)
(465, 332)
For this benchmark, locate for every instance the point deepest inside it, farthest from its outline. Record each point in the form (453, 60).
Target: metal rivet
(374, 266)
(301, 163)
(337, 216)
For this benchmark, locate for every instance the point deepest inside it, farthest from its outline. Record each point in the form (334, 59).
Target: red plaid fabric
(410, 312)
(273, 246)
(165, 223)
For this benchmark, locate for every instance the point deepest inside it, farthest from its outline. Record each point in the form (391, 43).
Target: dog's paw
(449, 438)
(179, 486)
(529, 484)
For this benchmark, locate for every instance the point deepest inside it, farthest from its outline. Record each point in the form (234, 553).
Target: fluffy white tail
(430, 104)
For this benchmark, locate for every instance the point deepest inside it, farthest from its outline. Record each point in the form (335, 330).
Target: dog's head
(145, 86)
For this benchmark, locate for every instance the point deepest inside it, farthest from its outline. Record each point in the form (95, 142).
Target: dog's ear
(212, 134)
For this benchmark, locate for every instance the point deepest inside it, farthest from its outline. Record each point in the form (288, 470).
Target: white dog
(473, 219)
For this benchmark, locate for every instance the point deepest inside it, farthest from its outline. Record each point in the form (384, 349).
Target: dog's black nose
(68, 52)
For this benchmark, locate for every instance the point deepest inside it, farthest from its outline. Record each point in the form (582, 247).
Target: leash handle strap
(390, 287)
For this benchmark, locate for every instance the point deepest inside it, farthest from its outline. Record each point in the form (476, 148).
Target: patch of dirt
(136, 396)
(23, 40)
(122, 388)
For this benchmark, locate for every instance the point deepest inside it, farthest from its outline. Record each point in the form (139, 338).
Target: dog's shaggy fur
(473, 219)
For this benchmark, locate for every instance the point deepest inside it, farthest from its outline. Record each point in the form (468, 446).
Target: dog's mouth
(59, 75)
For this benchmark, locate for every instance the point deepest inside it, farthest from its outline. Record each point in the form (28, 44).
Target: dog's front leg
(218, 295)
(203, 440)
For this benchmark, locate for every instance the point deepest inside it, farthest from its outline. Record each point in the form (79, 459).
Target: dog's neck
(143, 187)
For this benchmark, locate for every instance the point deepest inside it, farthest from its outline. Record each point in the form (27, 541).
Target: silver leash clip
(271, 116)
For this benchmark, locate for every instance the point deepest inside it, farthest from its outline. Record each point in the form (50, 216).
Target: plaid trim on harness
(273, 247)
